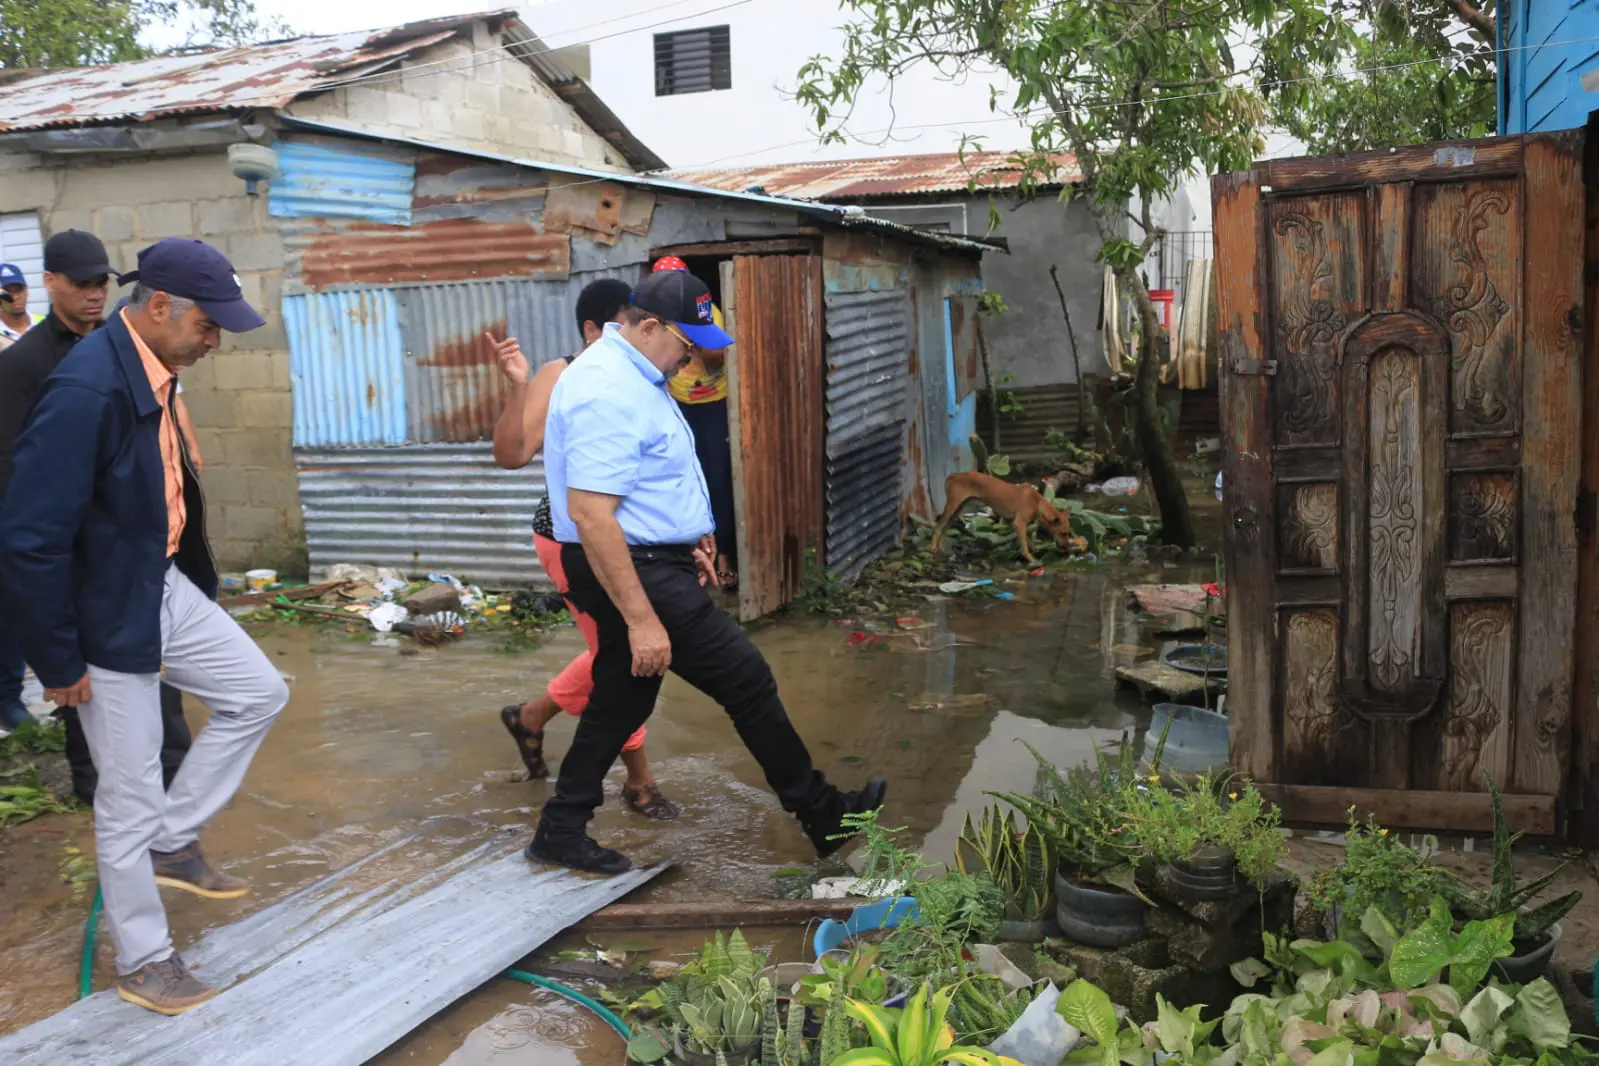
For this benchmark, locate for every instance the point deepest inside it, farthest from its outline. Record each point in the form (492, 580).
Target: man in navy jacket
(105, 566)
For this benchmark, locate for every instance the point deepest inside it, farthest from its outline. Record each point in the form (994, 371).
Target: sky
(306, 17)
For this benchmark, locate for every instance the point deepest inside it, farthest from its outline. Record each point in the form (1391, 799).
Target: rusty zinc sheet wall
(345, 362)
(868, 362)
(422, 507)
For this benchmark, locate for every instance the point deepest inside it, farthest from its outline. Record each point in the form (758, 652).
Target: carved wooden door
(1403, 417)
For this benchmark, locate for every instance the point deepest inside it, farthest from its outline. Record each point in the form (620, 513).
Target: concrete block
(225, 486)
(200, 378)
(470, 125)
(258, 449)
(265, 409)
(238, 371)
(404, 111)
(171, 219)
(231, 215)
(65, 220)
(573, 145)
(246, 523)
(483, 96)
(440, 118)
(115, 223)
(276, 489)
(450, 89)
(280, 375)
(28, 188)
(366, 106)
(254, 251)
(210, 409)
(188, 177)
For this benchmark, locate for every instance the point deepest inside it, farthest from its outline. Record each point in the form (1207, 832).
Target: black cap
(196, 271)
(679, 297)
(78, 255)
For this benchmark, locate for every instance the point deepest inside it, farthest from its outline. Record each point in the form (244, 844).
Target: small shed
(1549, 66)
(856, 364)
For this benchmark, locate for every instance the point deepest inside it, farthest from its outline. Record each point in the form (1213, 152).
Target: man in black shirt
(77, 277)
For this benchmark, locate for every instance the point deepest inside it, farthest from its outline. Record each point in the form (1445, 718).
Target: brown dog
(1023, 504)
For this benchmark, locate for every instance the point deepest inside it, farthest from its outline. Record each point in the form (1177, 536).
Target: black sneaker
(828, 832)
(578, 853)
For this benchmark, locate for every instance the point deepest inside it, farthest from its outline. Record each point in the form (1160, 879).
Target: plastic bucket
(1196, 742)
(884, 914)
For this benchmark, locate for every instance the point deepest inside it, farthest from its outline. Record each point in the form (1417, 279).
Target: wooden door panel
(1400, 393)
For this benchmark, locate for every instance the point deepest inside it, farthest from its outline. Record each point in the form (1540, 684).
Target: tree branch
(1472, 15)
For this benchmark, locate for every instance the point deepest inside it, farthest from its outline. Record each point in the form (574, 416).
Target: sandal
(650, 802)
(528, 743)
(727, 579)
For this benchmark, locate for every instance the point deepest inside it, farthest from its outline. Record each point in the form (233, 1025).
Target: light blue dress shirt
(614, 429)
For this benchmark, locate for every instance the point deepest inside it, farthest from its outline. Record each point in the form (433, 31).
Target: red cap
(671, 262)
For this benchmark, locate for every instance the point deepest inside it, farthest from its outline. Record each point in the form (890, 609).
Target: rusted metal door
(776, 389)
(1402, 405)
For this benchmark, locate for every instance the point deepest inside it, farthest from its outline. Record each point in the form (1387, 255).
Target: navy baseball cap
(684, 300)
(77, 255)
(196, 271)
(11, 274)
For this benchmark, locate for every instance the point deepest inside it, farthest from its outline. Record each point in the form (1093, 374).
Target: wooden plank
(1451, 161)
(1309, 463)
(264, 599)
(1390, 276)
(1247, 463)
(1583, 791)
(1551, 457)
(1309, 590)
(1410, 808)
(1481, 583)
(347, 993)
(719, 915)
(800, 245)
(1483, 453)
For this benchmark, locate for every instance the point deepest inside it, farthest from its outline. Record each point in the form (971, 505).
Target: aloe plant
(1504, 894)
(715, 1003)
(1020, 861)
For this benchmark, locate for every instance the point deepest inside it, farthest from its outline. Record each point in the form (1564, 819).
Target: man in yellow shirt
(700, 389)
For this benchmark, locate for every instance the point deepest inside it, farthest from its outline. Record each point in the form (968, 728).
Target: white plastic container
(260, 580)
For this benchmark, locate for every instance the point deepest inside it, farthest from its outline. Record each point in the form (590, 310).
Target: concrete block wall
(239, 396)
(473, 95)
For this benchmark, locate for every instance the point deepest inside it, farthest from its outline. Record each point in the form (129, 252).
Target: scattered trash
(1036, 573)
(1120, 486)
(260, 580)
(231, 582)
(385, 616)
(858, 638)
(1040, 1037)
(913, 622)
(1207, 445)
(954, 587)
(854, 887)
(1004, 595)
(434, 599)
(1218, 485)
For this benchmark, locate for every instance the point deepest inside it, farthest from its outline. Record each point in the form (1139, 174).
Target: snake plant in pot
(716, 1004)
(1537, 928)
(915, 1035)
(1085, 820)
(1020, 862)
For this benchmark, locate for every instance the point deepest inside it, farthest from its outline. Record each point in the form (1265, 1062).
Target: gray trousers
(207, 655)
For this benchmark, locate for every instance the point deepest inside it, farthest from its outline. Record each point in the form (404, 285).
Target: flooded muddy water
(382, 745)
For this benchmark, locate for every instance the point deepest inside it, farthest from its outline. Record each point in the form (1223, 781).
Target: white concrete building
(707, 84)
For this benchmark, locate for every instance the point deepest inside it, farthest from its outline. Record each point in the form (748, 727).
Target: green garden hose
(575, 996)
(86, 967)
(92, 924)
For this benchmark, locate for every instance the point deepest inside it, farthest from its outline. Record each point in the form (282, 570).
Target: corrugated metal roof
(421, 508)
(272, 75)
(866, 179)
(848, 217)
(358, 182)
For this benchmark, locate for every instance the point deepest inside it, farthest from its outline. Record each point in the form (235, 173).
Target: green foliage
(1019, 861)
(912, 1035)
(858, 977)
(715, 1002)
(1086, 1008)
(984, 1007)
(24, 799)
(1423, 954)
(1505, 894)
(74, 33)
(991, 303)
(38, 737)
(1172, 824)
(820, 591)
(1424, 78)
(1378, 871)
(998, 465)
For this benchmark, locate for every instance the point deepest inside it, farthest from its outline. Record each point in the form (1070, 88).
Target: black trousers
(710, 652)
(175, 742)
(713, 445)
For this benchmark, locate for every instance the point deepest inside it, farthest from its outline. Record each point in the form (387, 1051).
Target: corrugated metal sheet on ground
(338, 971)
(371, 182)
(421, 508)
(1023, 436)
(454, 387)
(868, 363)
(863, 483)
(346, 358)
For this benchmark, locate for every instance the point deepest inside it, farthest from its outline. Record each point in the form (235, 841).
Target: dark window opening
(693, 61)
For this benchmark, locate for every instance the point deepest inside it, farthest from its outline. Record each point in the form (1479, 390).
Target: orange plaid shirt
(162, 381)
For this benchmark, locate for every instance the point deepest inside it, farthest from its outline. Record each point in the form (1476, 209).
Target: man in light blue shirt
(631, 510)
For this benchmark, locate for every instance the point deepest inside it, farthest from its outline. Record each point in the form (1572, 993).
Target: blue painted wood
(339, 970)
(1550, 45)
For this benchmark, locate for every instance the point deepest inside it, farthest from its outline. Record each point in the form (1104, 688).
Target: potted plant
(1537, 929)
(1210, 835)
(1378, 871)
(716, 1002)
(916, 1035)
(1019, 862)
(1085, 820)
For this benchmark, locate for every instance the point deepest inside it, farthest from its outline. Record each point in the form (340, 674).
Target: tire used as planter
(1522, 969)
(1098, 917)
(1209, 873)
(740, 1057)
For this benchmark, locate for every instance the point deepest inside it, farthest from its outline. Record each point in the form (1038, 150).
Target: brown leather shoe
(188, 869)
(166, 987)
